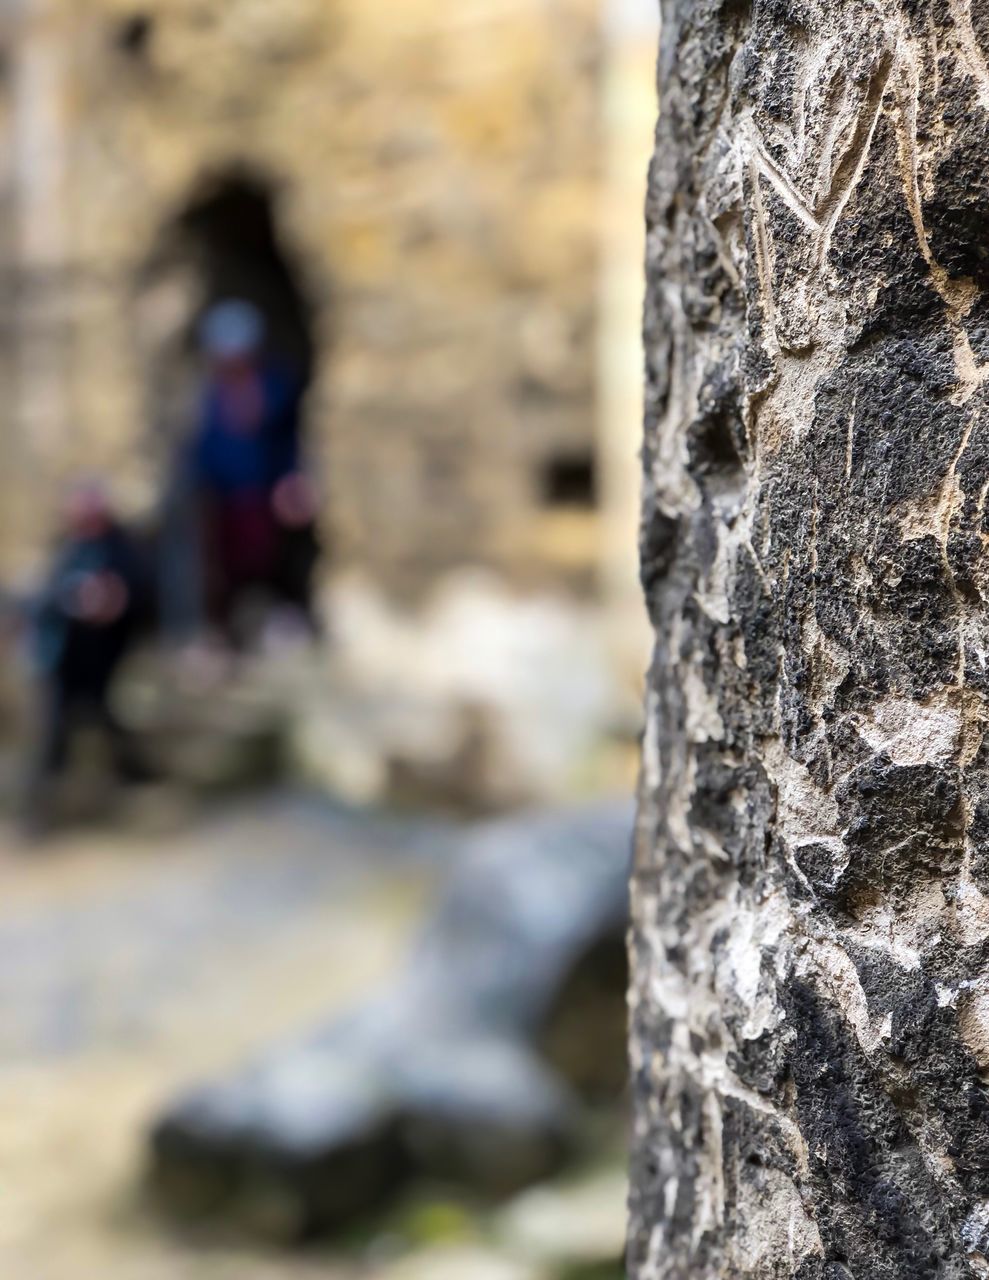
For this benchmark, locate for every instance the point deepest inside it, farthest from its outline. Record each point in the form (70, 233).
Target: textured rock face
(811, 925)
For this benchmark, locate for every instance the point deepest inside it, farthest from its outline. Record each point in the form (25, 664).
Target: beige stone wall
(438, 165)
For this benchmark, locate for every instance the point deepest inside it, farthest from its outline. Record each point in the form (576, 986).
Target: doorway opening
(229, 234)
(226, 243)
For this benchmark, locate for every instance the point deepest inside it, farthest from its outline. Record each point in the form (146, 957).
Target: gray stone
(440, 1076)
(811, 899)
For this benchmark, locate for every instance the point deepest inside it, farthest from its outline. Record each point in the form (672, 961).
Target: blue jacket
(228, 461)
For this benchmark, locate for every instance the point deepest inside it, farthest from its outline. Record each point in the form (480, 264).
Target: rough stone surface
(811, 919)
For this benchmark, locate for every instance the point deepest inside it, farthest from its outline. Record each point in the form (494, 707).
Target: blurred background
(322, 642)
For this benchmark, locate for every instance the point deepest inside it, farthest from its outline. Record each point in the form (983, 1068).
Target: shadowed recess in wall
(227, 242)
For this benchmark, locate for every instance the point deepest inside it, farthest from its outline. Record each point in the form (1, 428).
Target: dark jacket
(72, 649)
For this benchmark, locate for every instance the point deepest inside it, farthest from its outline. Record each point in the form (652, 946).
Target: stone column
(811, 901)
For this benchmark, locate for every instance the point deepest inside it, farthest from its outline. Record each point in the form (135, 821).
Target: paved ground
(132, 965)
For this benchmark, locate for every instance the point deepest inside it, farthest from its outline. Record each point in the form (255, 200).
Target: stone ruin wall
(437, 175)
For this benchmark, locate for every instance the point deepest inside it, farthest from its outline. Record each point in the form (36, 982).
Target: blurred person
(82, 625)
(257, 506)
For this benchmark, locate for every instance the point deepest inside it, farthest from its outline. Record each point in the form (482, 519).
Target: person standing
(256, 504)
(81, 627)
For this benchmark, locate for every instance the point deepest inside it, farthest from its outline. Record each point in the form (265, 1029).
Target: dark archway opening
(225, 243)
(228, 234)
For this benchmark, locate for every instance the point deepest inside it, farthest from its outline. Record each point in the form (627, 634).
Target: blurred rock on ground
(439, 1079)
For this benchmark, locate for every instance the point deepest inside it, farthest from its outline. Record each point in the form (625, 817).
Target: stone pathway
(132, 965)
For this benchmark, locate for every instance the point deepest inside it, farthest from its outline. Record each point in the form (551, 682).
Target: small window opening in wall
(569, 480)
(133, 33)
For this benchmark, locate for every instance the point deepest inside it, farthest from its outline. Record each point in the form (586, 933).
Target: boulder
(469, 1068)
